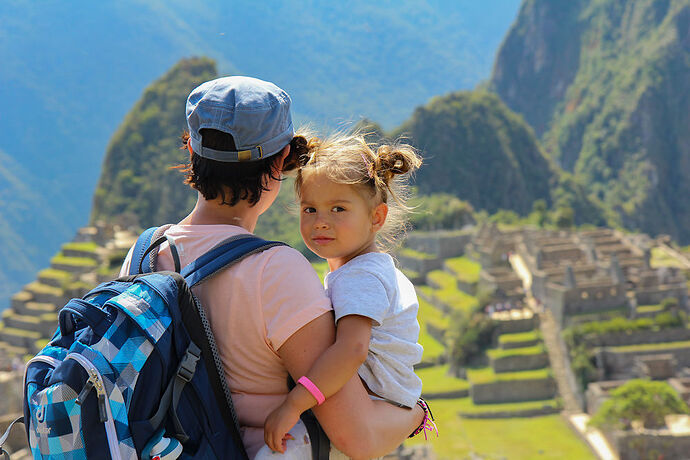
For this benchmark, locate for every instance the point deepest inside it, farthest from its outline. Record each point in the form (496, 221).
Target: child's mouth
(321, 240)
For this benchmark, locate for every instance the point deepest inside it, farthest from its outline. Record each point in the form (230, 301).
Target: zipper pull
(101, 408)
(88, 386)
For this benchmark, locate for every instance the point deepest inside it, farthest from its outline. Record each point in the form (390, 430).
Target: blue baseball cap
(255, 112)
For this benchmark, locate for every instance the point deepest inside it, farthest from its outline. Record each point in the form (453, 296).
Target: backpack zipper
(96, 381)
(44, 359)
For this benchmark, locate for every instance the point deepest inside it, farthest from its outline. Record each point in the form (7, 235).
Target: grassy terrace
(411, 274)
(75, 261)
(413, 254)
(465, 269)
(545, 437)
(651, 346)
(519, 337)
(524, 351)
(431, 315)
(660, 258)
(89, 246)
(468, 407)
(649, 309)
(437, 380)
(43, 288)
(321, 268)
(20, 332)
(448, 292)
(487, 375)
(55, 274)
(433, 350)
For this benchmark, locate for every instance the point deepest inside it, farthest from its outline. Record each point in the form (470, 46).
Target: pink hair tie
(313, 389)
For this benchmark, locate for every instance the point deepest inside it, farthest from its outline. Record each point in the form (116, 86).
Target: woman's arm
(355, 424)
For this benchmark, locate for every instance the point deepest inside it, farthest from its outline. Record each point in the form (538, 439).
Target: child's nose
(321, 222)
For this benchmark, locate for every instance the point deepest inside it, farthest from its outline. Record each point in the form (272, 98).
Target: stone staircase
(572, 401)
(31, 319)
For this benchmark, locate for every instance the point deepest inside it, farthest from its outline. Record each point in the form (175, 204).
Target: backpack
(133, 370)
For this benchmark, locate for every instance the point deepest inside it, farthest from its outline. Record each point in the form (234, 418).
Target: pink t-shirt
(253, 307)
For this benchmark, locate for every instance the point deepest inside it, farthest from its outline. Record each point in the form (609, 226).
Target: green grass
(651, 346)
(449, 294)
(21, 332)
(544, 437)
(411, 274)
(659, 258)
(40, 344)
(471, 408)
(43, 288)
(86, 246)
(413, 254)
(437, 380)
(75, 261)
(465, 269)
(433, 350)
(519, 337)
(487, 375)
(497, 353)
(321, 268)
(429, 314)
(649, 309)
(55, 274)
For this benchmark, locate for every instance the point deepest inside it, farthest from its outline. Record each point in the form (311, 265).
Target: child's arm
(329, 373)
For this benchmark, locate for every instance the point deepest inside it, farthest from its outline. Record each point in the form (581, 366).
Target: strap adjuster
(188, 364)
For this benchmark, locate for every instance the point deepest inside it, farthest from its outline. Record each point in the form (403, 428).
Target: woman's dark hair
(233, 181)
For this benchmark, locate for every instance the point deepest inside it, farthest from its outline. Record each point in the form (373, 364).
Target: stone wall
(421, 265)
(647, 444)
(621, 364)
(444, 244)
(615, 339)
(517, 325)
(513, 391)
(565, 301)
(520, 362)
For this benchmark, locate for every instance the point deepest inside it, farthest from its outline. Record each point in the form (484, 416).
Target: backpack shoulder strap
(223, 255)
(144, 255)
(140, 248)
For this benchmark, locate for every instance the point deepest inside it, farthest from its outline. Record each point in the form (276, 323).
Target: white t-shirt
(370, 285)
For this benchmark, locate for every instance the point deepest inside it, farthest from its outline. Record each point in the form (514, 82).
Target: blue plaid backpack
(133, 370)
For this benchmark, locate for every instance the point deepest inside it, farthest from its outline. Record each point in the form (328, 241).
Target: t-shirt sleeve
(124, 270)
(291, 296)
(359, 292)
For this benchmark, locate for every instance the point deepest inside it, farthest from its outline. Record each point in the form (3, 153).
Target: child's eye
(308, 210)
(338, 209)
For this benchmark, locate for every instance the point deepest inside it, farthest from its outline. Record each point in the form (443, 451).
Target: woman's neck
(212, 212)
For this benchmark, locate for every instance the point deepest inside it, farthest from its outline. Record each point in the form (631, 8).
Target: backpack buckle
(188, 364)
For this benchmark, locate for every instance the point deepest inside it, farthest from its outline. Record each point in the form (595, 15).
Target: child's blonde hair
(381, 171)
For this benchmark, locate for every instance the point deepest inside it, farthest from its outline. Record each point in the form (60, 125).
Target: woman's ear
(283, 155)
(378, 217)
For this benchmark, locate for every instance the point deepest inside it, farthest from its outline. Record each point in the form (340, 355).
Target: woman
(269, 313)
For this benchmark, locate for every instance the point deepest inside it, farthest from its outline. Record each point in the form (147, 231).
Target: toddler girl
(351, 205)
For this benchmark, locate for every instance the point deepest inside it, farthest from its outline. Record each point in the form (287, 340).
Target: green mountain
(72, 70)
(26, 214)
(474, 147)
(136, 182)
(605, 84)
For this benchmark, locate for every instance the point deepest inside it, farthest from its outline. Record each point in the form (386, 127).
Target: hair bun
(396, 160)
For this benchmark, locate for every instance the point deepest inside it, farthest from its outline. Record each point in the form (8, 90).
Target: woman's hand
(277, 425)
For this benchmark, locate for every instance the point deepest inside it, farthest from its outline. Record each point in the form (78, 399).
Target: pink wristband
(313, 389)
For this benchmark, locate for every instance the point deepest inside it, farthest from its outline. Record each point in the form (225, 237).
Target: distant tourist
(351, 202)
(269, 313)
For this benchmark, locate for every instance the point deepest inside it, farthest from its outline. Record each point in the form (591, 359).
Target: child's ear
(379, 216)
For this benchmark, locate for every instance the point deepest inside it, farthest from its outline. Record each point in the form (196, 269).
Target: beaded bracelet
(428, 423)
